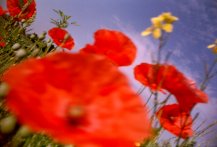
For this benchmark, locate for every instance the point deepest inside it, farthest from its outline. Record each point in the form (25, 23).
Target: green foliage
(39, 140)
(20, 45)
(63, 21)
(30, 45)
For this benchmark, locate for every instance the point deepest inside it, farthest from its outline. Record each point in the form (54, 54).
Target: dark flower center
(76, 115)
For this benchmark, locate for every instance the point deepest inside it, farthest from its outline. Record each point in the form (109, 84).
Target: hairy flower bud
(23, 131)
(4, 89)
(42, 36)
(49, 40)
(20, 53)
(16, 46)
(7, 124)
(35, 52)
(25, 25)
(32, 36)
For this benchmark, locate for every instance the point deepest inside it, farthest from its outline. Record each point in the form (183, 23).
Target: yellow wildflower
(169, 18)
(213, 47)
(156, 33)
(163, 22)
(157, 21)
(147, 32)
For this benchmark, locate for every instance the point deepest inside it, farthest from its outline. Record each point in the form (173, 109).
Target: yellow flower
(213, 47)
(157, 21)
(147, 32)
(163, 22)
(168, 17)
(156, 33)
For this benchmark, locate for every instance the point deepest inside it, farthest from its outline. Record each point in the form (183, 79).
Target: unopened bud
(20, 53)
(25, 25)
(16, 46)
(49, 40)
(23, 131)
(32, 36)
(31, 20)
(23, 20)
(7, 124)
(42, 36)
(4, 89)
(35, 52)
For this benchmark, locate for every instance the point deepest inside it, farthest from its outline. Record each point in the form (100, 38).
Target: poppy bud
(35, 52)
(23, 131)
(32, 36)
(23, 20)
(16, 46)
(7, 124)
(42, 36)
(25, 25)
(49, 40)
(20, 53)
(4, 89)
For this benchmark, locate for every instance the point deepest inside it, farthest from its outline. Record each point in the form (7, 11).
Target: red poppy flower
(174, 120)
(2, 11)
(77, 98)
(113, 44)
(62, 38)
(167, 77)
(15, 9)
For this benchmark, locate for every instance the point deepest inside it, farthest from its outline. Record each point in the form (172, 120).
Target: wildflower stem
(182, 129)
(155, 106)
(141, 89)
(149, 98)
(162, 41)
(208, 75)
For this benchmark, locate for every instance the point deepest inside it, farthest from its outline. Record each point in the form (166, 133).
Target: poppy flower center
(76, 114)
(172, 119)
(60, 40)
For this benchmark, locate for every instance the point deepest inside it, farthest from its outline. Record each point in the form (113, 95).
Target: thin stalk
(208, 75)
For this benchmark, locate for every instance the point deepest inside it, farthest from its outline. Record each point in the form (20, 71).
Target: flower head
(114, 45)
(79, 99)
(167, 77)
(163, 22)
(213, 47)
(21, 9)
(174, 120)
(62, 38)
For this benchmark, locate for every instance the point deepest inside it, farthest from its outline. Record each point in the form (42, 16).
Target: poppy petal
(62, 38)
(113, 44)
(174, 120)
(167, 77)
(15, 9)
(103, 108)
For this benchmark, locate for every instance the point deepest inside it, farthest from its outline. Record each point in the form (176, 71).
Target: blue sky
(196, 28)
